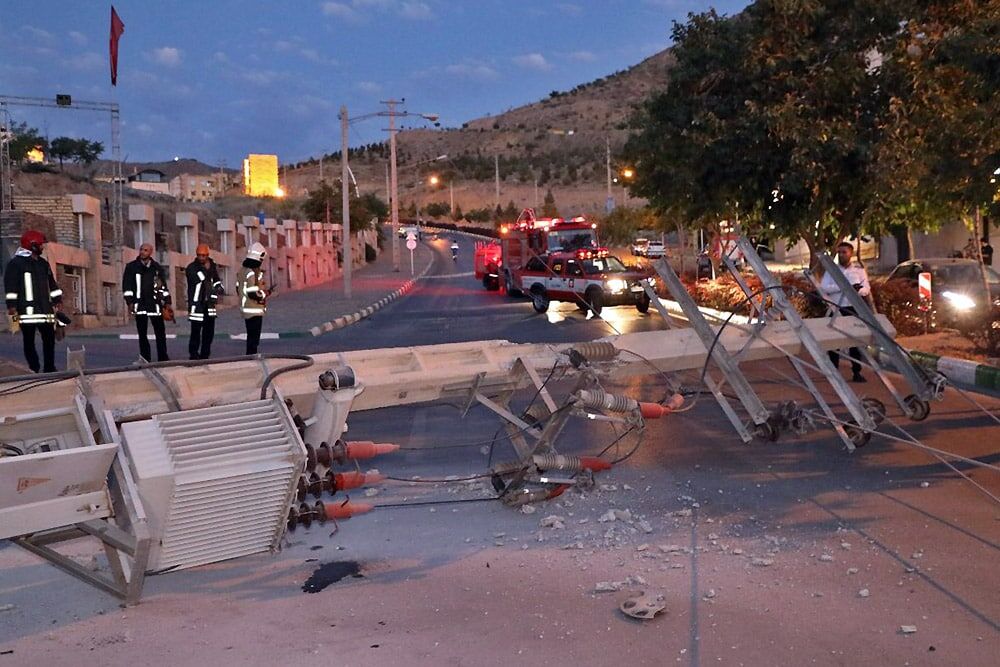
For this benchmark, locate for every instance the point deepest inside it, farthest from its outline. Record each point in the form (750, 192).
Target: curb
(347, 320)
(970, 373)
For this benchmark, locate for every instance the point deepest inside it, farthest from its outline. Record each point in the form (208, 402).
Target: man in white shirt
(858, 277)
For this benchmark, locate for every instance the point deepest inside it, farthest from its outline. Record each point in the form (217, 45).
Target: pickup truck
(590, 278)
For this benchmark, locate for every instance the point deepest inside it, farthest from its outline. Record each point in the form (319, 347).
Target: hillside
(558, 142)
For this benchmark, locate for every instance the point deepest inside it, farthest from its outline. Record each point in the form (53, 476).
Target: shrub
(985, 333)
(898, 302)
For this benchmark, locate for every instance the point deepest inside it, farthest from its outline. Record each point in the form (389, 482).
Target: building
(260, 176)
(199, 187)
(150, 180)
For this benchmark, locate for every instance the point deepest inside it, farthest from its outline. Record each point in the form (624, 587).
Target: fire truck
(499, 263)
(556, 259)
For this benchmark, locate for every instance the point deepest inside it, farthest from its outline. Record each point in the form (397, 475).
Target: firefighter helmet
(33, 240)
(257, 252)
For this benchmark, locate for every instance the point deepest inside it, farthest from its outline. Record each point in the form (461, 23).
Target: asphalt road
(793, 552)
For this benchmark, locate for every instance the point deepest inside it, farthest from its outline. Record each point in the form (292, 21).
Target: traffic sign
(411, 237)
(924, 290)
(411, 243)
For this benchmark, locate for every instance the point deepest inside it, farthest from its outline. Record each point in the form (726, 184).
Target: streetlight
(345, 191)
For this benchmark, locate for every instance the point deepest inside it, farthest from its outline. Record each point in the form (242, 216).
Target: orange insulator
(594, 464)
(366, 449)
(655, 410)
(340, 511)
(352, 480)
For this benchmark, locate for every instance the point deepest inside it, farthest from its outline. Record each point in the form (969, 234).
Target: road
(793, 552)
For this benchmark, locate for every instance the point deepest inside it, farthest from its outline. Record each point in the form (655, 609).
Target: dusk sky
(217, 80)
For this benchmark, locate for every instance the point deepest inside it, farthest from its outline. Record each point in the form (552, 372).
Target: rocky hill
(558, 143)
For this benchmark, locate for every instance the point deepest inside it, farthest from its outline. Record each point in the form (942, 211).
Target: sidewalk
(310, 311)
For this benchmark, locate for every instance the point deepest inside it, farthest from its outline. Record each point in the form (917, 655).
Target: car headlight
(617, 285)
(651, 281)
(959, 301)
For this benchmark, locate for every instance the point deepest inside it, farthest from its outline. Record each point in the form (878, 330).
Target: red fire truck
(558, 259)
(499, 262)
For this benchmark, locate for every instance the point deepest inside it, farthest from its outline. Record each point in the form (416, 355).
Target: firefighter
(253, 296)
(33, 298)
(144, 286)
(203, 290)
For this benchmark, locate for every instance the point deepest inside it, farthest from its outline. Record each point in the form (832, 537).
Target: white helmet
(257, 252)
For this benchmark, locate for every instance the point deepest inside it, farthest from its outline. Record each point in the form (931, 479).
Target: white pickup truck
(646, 248)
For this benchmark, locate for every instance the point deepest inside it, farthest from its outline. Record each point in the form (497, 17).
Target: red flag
(117, 28)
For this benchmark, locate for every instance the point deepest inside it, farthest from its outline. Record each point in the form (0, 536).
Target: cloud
(369, 87)
(583, 56)
(37, 34)
(166, 55)
(417, 11)
(220, 57)
(340, 10)
(570, 9)
(85, 61)
(78, 37)
(532, 61)
(144, 129)
(474, 71)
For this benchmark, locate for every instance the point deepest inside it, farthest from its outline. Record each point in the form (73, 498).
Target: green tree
(62, 148)
(549, 209)
(363, 210)
(511, 211)
(943, 141)
(438, 209)
(771, 117)
(23, 140)
(86, 152)
(457, 214)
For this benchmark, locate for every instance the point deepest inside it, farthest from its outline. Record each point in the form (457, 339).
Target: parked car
(639, 247)
(957, 292)
(654, 250)
(647, 248)
(406, 230)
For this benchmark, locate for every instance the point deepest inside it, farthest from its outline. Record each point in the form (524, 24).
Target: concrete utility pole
(609, 203)
(345, 205)
(496, 169)
(451, 197)
(393, 182)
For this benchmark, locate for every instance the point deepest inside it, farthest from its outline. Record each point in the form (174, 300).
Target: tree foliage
(824, 118)
(363, 209)
(549, 208)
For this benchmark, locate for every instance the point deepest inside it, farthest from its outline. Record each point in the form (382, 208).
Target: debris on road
(644, 606)
(907, 629)
(863, 593)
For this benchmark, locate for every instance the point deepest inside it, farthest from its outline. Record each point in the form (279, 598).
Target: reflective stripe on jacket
(253, 296)
(31, 289)
(203, 289)
(145, 287)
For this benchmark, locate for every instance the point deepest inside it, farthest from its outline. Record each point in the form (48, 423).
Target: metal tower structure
(65, 102)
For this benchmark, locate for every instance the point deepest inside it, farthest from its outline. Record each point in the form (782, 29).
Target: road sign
(924, 290)
(411, 236)
(411, 243)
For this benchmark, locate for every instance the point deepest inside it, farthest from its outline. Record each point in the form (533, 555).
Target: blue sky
(217, 80)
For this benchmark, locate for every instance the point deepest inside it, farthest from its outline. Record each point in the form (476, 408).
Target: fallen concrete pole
(408, 375)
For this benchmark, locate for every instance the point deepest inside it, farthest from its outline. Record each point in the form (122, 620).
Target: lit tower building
(260, 176)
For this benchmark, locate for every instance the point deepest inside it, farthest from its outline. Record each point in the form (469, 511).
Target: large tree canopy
(825, 118)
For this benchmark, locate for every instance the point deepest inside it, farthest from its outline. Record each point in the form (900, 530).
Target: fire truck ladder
(727, 364)
(924, 386)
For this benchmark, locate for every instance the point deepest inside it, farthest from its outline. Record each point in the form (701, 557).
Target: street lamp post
(345, 190)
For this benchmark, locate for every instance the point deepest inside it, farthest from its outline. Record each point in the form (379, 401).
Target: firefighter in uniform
(34, 298)
(253, 296)
(203, 290)
(144, 286)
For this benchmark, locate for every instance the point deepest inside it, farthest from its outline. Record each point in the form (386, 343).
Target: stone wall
(57, 209)
(14, 223)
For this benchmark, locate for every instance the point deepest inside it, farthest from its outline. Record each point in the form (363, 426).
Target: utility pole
(393, 182)
(496, 169)
(536, 194)
(321, 166)
(388, 193)
(609, 204)
(451, 197)
(346, 205)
